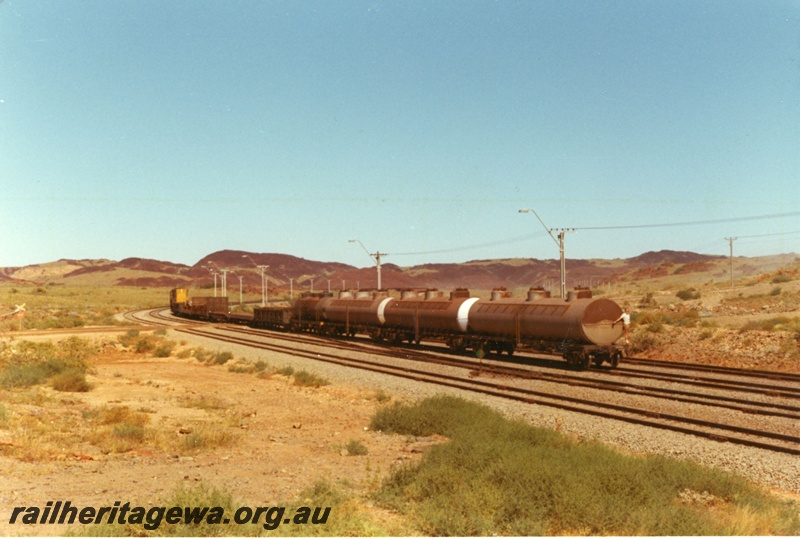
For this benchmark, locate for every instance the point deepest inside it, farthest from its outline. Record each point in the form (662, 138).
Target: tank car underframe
(376, 333)
(577, 355)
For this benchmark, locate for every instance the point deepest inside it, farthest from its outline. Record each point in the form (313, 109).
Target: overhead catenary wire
(616, 227)
(690, 223)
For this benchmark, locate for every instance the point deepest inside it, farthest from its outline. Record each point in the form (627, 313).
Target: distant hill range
(286, 270)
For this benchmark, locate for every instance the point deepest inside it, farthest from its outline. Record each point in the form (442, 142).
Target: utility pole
(291, 284)
(264, 279)
(225, 282)
(559, 243)
(240, 288)
(730, 241)
(377, 256)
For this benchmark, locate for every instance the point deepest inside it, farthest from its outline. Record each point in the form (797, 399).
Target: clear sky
(172, 129)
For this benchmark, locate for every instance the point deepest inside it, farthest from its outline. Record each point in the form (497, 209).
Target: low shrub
(145, 344)
(205, 437)
(222, 357)
(203, 402)
(164, 349)
(772, 324)
(28, 364)
(496, 476)
(705, 334)
(356, 448)
(381, 396)
(688, 294)
(656, 326)
(127, 430)
(71, 380)
(20, 376)
(129, 338)
(304, 378)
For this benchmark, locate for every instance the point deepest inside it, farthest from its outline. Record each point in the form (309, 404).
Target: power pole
(377, 256)
(559, 243)
(730, 241)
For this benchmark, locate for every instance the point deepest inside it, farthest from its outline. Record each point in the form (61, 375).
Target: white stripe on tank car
(463, 313)
(381, 308)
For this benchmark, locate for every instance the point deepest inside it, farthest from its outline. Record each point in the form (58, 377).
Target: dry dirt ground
(278, 439)
(769, 351)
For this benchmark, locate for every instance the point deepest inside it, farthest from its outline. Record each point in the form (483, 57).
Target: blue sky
(170, 130)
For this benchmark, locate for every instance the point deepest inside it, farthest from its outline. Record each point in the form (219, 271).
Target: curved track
(420, 365)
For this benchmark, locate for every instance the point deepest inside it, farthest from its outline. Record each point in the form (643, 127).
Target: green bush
(19, 376)
(71, 380)
(773, 324)
(126, 430)
(356, 448)
(304, 378)
(688, 294)
(27, 364)
(656, 326)
(502, 477)
(705, 334)
(145, 344)
(129, 338)
(164, 349)
(222, 357)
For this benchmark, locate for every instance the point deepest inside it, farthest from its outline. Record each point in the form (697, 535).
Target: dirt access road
(275, 438)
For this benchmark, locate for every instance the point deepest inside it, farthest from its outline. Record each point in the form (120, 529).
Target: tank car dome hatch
(459, 293)
(537, 293)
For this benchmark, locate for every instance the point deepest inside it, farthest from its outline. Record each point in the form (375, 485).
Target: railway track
(717, 370)
(502, 370)
(478, 372)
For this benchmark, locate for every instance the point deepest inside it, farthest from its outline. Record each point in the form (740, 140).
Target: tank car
(580, 328)
(362, 313)
(427, 315)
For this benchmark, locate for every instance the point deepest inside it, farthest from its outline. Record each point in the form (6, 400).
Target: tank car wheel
(571, 360)
(615, 358)
(598, 361)
(583, 361)
(510, 349)
(578, 361)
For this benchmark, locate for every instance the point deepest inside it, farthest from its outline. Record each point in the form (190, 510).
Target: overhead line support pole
(730, 241)
(377, 256)
(560, 243)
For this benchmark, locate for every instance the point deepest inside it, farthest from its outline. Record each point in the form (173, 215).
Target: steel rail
(738, 404)
(537, 397)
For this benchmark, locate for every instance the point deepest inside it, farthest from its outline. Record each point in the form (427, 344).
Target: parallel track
(783, 443)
